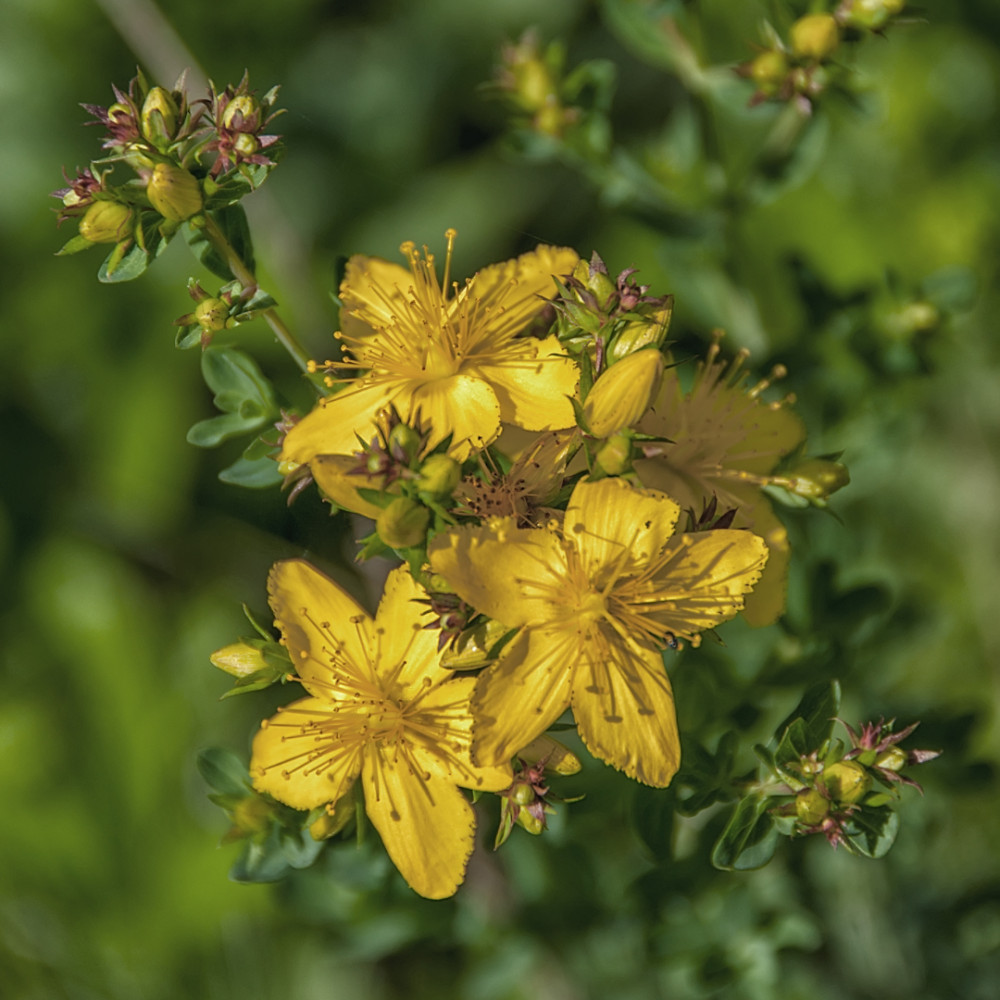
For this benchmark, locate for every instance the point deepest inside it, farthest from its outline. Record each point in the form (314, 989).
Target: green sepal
(76, 245)
(749, 839)
(242, 393)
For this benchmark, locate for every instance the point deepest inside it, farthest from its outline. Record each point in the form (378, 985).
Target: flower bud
(768, 71)
(847, 781)
(638, 335)
(106, 222)
(558, 759)
(893, 759)
(333, 820)
(811, 806)
(403, 523)
(530, 822)
(240, 112)
(211, 314)
(403, 443)
(239, 659)
(817, 478)
(246, 144)
(439, 475)
(174, 192)
(870, 14)
(159, 117)
(623, 393)
(472, 648)
(815, 37)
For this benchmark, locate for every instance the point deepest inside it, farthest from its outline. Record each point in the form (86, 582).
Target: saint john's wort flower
(722, 442)
(382, 709)
(451, 358)
(595, 603)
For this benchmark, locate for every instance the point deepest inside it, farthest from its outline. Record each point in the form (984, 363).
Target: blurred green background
(125, 561)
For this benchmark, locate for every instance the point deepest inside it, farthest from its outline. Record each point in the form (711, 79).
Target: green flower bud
(614, 457)
(817, 478)
(106, 222)
(242, 107)
(638, 335)
(239, 659)
(471, 649)
(811, 806)
(403, 523)
(815, 37)
(893, 759)
(159, 117)
(174, 192)
(439, 475)
(403, 443)
(847, 781)
(523, 794)
(211, 314)
(246, 144)
(530, 822)
(623, 393)
(768, 71)
(871, 15)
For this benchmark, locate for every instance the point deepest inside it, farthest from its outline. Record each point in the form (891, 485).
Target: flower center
(591, 607)
(385, 721)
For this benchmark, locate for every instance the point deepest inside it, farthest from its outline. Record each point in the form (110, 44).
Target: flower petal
(292, 762)
(325, 629)
(406, 653)
(335, 424)
(335, 478)
(464, 406)
(766, 601)
(614, 524)
(624, 710)
(426, 824)
(533, 384)
(516, 289)
(702, 578)
(375, 287)
(508, 573)
(522, 694)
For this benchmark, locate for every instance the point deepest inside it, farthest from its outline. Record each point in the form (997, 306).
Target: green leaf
(75, 245)
(749, 839)
(119, 266)
(817, 711)
(224, 771)
(242, 393)
(253, 473)
(653, 811)
(232, 220)
(706, 776)
(261, 861)
(877, 828)
(188, 337)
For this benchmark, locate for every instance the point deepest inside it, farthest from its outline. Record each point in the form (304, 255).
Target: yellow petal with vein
(322, 625)
(624, 710)
(511, 574)
(289, 763)
(613, 523)
(376, 287)
(462, 405)
(522, 694)
(426, 824)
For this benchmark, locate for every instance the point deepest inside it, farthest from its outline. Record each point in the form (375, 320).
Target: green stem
(245, 276)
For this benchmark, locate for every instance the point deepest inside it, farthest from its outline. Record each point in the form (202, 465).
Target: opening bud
(815, 37)
(403, 523)
(251, 816)
(403, 444)
(847, 781)
(333, 819)
(159, 117)
(240, 113)
(174, 192)
(893, 759)
(106, 222)
(870, 15)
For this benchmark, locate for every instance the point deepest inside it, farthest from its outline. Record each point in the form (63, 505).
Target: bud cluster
(802, 66)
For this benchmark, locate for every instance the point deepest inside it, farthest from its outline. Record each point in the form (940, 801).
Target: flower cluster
(523, 441)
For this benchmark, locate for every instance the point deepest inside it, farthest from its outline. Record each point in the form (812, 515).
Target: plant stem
(243, 274)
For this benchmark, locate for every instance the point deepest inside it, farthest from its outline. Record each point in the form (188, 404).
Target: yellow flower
(381, 708)
(595, 604)
(723, 441)
(449, 357)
